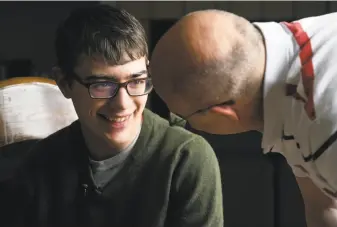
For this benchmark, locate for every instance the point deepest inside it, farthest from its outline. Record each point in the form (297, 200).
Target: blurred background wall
(27, 28)
(259, 190)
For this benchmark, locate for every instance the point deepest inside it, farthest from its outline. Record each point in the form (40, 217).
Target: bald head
(206, 56)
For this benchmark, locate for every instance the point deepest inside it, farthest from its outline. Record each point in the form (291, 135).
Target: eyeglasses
(201, 111)
(109, 89)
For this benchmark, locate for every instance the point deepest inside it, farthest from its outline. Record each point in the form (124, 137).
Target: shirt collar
(277, 62)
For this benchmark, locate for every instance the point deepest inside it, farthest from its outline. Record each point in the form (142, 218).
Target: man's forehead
(101, 60)
(99, 65)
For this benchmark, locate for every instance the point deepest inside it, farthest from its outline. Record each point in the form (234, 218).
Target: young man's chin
(120, 139)
(122, 134)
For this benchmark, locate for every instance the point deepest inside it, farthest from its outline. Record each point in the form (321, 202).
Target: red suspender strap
(307, 70)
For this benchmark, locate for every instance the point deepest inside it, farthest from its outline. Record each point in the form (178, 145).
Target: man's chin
(118, 141)
(121, 138)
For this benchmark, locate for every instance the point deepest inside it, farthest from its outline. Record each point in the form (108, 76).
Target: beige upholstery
(32, 108)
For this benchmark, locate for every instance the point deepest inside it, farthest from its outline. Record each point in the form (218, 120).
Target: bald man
(225, 75)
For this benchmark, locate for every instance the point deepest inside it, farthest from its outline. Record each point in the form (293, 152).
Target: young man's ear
(61, 81)
(226, 111)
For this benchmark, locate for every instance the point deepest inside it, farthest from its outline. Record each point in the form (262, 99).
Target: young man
(120, 164)
(231, 76)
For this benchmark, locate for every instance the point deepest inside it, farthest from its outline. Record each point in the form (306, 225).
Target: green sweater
(170, 179)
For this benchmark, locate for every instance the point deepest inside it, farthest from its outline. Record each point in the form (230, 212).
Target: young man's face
(116, 120)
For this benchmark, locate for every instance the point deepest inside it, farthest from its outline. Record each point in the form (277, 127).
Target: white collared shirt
(307, 140)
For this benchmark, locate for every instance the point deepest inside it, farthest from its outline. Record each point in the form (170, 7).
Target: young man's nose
(121, 99)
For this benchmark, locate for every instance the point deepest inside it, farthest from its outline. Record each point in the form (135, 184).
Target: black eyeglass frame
(119, 86)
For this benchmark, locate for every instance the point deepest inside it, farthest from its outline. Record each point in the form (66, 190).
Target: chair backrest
(32, 108)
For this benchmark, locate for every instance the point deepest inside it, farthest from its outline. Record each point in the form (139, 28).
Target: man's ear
(61, 82)
(226, 111)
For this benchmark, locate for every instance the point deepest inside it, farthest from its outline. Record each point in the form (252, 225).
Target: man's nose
(121, 100)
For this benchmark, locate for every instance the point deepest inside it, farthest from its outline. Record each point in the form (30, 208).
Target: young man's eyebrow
(111, 77)
(140, 73)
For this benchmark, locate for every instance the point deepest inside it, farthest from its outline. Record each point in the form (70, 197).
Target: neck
(257, 108)
(258, 115)
(99, 147)
(258, 102)
(253, 109)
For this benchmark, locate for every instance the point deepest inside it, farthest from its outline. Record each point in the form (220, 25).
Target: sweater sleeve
(196, 199)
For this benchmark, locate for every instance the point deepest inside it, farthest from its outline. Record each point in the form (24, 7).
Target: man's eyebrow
(140, 73)
(111, 77)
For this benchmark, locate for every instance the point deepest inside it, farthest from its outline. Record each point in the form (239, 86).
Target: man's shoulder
(162, 129)
(175, 139)
(191, 166)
